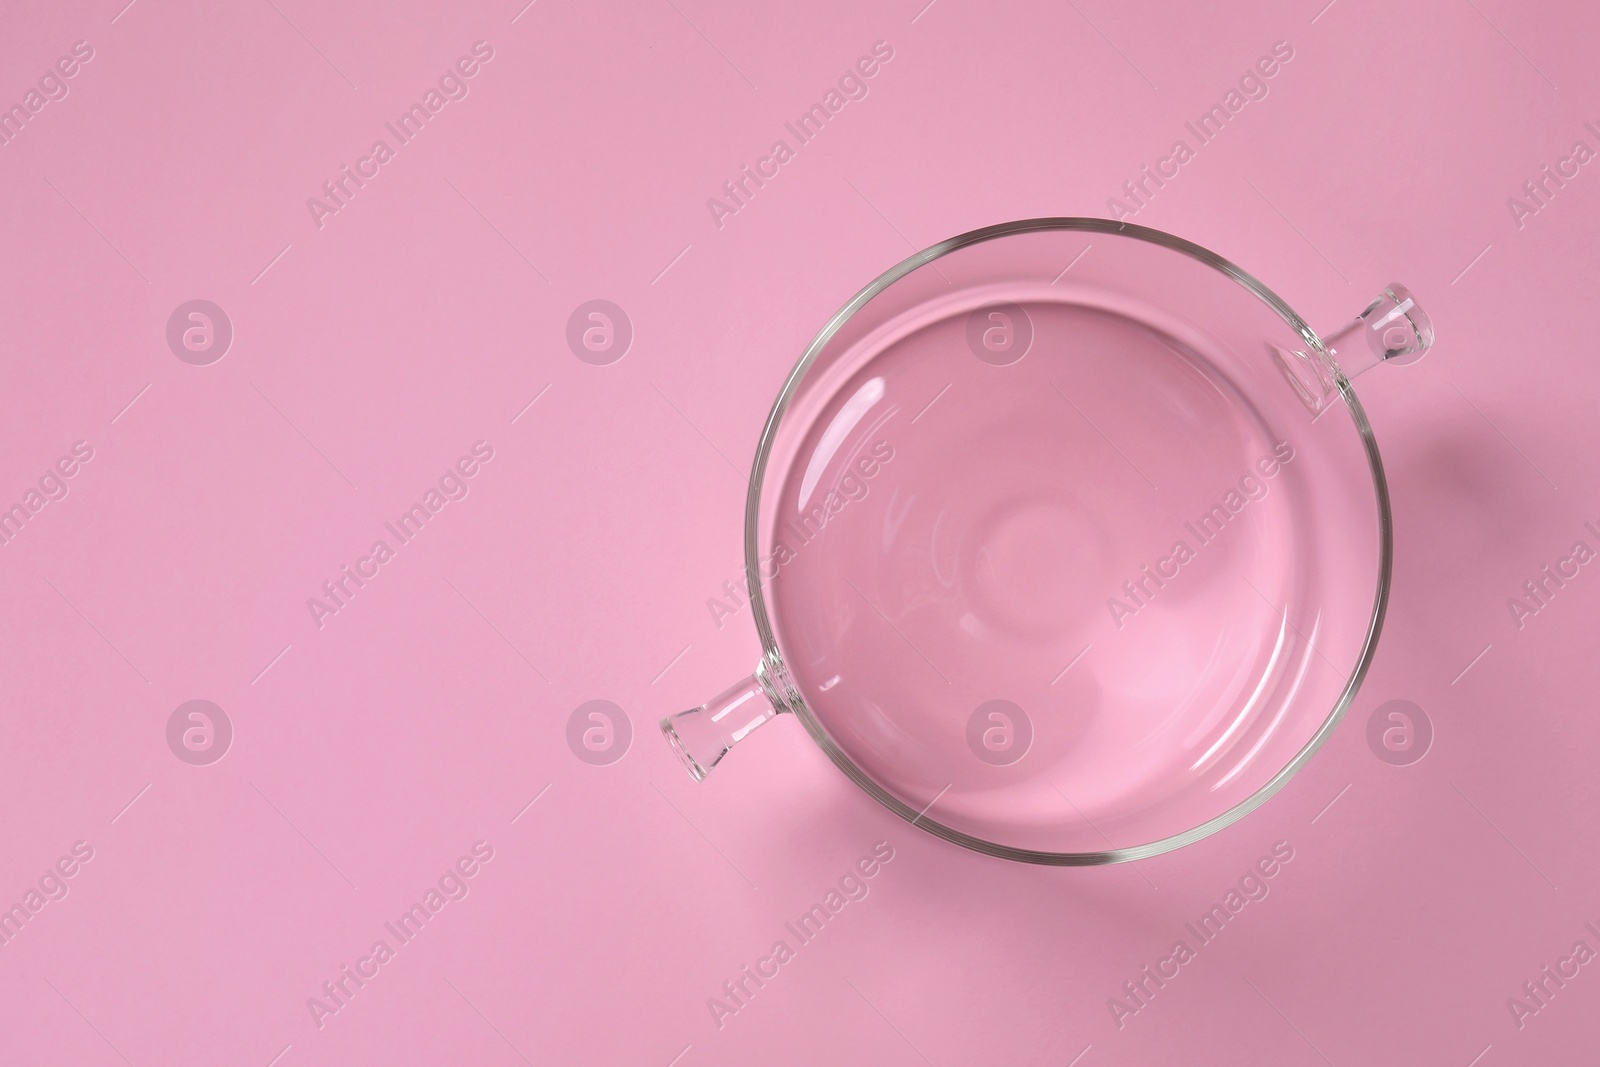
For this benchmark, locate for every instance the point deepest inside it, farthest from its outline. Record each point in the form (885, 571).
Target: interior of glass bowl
(1051, 557)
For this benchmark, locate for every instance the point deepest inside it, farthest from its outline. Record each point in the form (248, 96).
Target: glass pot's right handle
(702, 736)
(1393, 329)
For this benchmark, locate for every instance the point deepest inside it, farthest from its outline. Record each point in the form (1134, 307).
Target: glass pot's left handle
(702, 736)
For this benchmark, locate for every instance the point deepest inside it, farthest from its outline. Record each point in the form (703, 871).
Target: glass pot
(1067, 540)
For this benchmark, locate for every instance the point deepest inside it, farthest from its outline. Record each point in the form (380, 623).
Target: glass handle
(1393, 329)
(702, 736)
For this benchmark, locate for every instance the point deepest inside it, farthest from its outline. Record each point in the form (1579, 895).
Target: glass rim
(772, 659)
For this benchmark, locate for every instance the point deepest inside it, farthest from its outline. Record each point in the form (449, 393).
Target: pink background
(425, 315)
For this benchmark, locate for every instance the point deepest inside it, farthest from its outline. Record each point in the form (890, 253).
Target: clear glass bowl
(1067, 540)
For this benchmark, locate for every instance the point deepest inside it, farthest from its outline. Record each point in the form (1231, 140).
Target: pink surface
(184, 509)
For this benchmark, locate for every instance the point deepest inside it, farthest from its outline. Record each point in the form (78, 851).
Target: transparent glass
(1067, 540)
